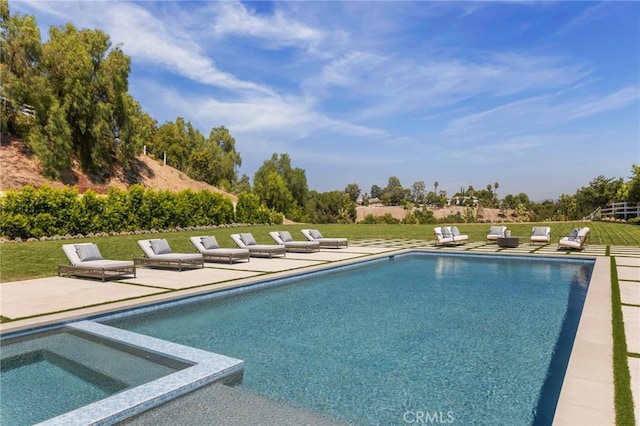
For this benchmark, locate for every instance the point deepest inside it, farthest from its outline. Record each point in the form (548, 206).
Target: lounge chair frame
(102, 269)
(170, 260)
(220, 254)
(101, 272)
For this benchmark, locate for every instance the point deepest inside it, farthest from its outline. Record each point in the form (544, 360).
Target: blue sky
(541, 97)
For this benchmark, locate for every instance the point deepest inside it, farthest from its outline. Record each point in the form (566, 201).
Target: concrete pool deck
(587, 395)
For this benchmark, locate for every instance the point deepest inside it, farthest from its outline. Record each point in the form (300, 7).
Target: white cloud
(279, 30)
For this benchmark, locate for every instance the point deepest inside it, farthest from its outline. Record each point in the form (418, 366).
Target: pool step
(224, 405)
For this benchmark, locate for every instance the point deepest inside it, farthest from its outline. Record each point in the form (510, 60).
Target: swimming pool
(475, 339)
(306, 342)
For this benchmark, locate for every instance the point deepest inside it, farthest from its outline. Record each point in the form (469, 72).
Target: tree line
(68, 100)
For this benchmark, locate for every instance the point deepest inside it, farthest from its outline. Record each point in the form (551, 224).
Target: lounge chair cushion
(495, 230)
(455, 231)
(88, 252)
(160, 246)
(446, 232)
(285, 236)
(248, 239)
(539, 231)
(315, 234)
(209, 243)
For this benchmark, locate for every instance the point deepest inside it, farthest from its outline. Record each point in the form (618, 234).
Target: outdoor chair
(576, 240)
(211, 251)
(315, 235)
(158, 253)
(246, 241)
(541, 234)
(496, 232)
(284, 238)
(85, 260)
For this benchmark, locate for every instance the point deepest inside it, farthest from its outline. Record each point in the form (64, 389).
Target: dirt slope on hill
(19, 168)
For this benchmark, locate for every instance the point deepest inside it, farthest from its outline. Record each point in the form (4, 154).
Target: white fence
(620, 211)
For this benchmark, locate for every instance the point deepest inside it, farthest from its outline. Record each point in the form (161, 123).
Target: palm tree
(435, 187)
(496, 185)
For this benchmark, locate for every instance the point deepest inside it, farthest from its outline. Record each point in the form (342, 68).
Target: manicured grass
(20, 261)
(623, 398)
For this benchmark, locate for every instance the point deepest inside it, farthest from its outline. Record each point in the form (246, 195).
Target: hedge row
(45, 212)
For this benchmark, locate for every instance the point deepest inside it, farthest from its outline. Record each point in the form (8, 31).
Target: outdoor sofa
(449, 235)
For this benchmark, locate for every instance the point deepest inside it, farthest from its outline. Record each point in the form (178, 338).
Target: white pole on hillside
(165, 158)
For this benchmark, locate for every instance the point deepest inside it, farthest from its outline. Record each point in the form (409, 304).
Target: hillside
(19, 168)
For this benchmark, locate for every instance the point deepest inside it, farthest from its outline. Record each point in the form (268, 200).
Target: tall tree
(294, 181)
(20, 53)
(353, 191)
(418, 192)
(633, 195)
(90, 79)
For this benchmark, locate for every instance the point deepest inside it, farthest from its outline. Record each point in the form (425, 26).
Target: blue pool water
(49, 373)
(473, 339)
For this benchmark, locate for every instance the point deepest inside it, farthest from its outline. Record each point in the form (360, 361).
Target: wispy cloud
(391, 83)
(277, 29)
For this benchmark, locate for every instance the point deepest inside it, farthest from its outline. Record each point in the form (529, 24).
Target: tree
(91, 86)
(353, 191)
(600, 192)
(20, 53)
(330, 207)
(394, 193)
(435, 187)
(242, 186)
(633, 194)
(418, 192)
(376, 191)
(294, 182)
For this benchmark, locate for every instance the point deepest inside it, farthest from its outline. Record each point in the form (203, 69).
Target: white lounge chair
(284, 238)
(541, 234)
(246, 240)
(449, 235)
(315, 235)
(576, 240)
(85, 260)
(210, 250)
(158, 253)
(496, 232)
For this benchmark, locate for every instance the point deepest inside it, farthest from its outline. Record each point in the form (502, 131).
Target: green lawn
(20, 261)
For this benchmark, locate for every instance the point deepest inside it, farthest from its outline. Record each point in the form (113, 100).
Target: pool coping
(587, 391)
(207, 367)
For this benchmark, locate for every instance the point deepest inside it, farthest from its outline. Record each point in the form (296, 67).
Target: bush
(46, 212)
(634, 221)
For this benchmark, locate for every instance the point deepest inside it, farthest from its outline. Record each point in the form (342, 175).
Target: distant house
(462, 201)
